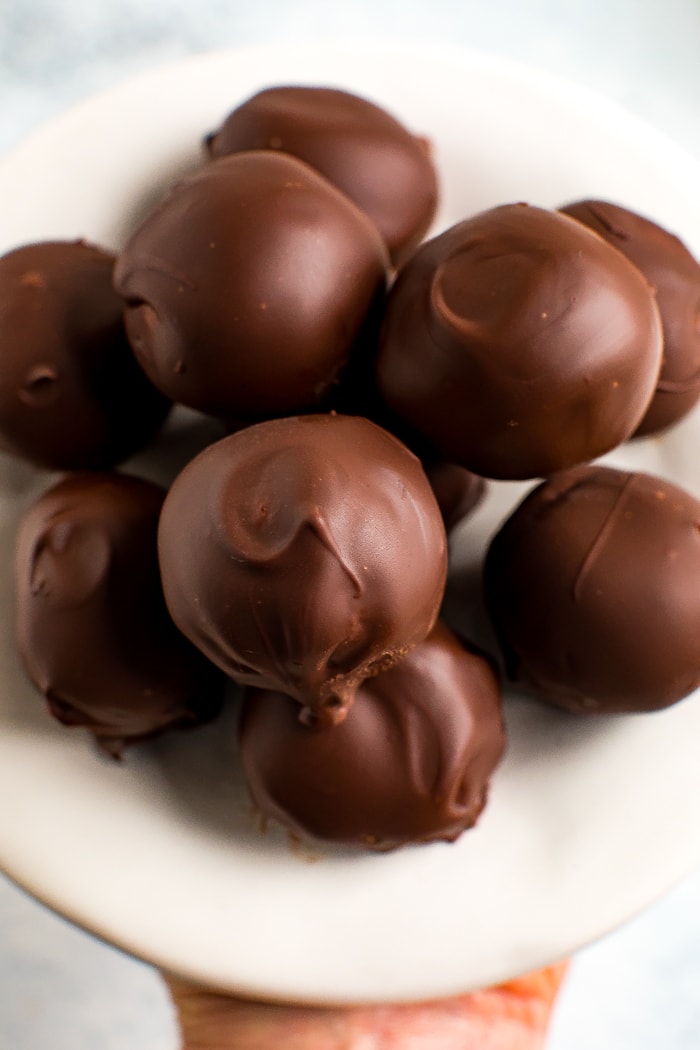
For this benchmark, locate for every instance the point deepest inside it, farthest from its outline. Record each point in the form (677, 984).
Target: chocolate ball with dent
(358, 146)
(304, 555)
(249, 286)
(674, 273)
(93, 630)
(72, 396)
(411, 763)
(519, 343)
(592, 586)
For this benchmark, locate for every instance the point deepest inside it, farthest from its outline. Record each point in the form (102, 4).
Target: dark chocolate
(355, 144)
(303, 555)
(675, 276)
(411, 763)
(592, 586)
(92, 627)
(72, 396)
(519, 343)
(250, 285)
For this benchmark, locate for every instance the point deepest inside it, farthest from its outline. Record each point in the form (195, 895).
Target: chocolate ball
(357, 145)
(72, 396)
(519, 343)
(410, 764)
(92, 627)
(249, 286)
(592, 585)
(675, 276)
(303, 555)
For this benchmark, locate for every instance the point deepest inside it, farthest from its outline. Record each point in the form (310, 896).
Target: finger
(512, 1016)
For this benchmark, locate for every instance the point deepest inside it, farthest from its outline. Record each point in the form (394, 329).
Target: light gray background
(638, 989)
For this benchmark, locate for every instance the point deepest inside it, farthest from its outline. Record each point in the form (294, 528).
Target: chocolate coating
(410, 764)
(519, 343)
(357, 145)
(592, 585)
(304, 554)
(675, 275)
(92, 626)
(71, 393)
(249, 286)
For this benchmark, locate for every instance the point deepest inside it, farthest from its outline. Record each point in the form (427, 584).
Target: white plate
(588, 820)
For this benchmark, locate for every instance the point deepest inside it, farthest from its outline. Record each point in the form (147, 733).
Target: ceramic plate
(588, 820)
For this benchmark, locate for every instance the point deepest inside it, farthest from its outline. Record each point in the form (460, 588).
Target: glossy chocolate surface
(303, 555)
(92, 627)
(358, 146)
(411, 762)
(71, 394)
(675, 276)
(249, 286)
(592, 585)
(519, 343)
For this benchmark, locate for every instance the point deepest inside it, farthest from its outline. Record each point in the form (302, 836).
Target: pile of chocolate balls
(369, 385)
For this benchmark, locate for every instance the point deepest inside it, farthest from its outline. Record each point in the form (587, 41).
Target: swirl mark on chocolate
(69, 561)
(602, 537)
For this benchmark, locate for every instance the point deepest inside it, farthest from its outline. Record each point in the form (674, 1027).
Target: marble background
(639, 988)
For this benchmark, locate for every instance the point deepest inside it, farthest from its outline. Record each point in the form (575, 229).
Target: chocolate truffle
(71, 393)
(92, 627)
(248, 287)
(411, 762)
(675, 275)
(519, 343)
(303, 555)
(592, 585)
(357, 145)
